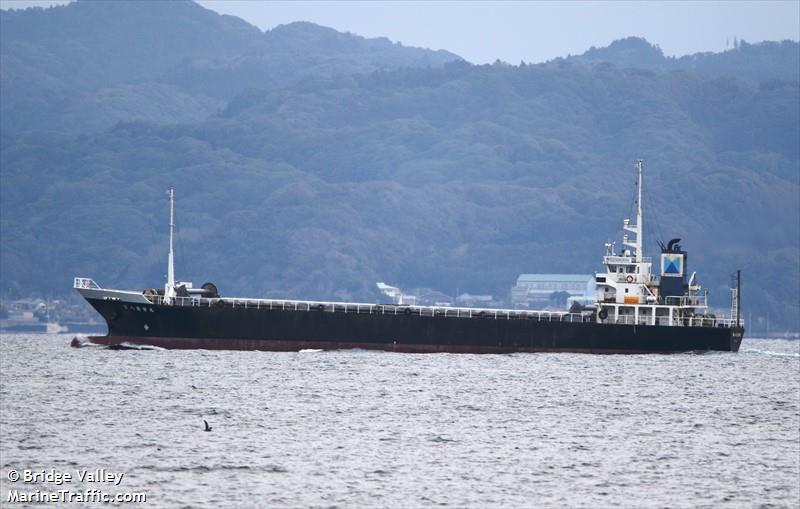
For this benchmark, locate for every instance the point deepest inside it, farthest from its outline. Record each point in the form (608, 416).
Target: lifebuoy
(629, 279)
(603, 314)
(407, 311)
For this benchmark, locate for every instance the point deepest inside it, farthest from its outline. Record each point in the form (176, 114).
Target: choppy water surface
(367, 429)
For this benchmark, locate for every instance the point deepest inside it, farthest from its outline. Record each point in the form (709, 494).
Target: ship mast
(639, 213)
(638, 228)
(169, 289)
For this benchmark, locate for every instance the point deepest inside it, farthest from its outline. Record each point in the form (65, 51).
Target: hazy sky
(532, 31)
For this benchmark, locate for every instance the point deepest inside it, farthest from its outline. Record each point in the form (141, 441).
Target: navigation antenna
(169, 289)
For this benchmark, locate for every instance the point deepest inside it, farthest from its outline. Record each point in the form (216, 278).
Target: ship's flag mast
(169, 289)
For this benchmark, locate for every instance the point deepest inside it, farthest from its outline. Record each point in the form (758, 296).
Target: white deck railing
(690, 301)
(624, 260)
(679, 322)
(366, 308)
(85, 282)
(430, 311)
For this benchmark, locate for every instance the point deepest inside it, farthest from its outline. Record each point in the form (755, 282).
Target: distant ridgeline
(311, 163)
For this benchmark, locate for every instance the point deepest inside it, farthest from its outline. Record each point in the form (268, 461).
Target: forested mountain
(311, 164)
(85, 66)
(755, 63)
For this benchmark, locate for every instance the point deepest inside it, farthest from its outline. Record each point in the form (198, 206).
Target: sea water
(377, 429)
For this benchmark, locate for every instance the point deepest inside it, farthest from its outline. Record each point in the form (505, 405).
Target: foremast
(169, 288)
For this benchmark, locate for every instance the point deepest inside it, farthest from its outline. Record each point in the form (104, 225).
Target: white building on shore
(537, 291)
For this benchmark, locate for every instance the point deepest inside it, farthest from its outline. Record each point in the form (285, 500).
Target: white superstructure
(628, 291)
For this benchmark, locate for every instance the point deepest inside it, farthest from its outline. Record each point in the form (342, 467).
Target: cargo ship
(635, 311)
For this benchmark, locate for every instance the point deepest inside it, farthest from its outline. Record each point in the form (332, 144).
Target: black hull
(238, 328)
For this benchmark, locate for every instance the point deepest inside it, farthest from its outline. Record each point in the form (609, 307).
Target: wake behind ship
(635, 311)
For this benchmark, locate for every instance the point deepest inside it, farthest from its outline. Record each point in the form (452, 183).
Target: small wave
(768, 352)
(81, 342)
(310, 350)
(270, 468)
(134, 346)
(275, 469)
(470, 407)
(439, 439)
